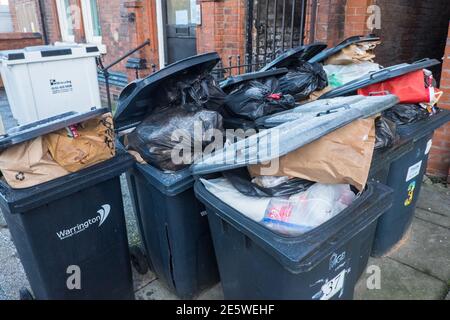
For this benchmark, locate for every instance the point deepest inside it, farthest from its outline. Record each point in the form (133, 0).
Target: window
(91, 21)
(66, 18)
(6, 24)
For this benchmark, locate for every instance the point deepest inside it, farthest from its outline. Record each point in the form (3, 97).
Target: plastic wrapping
(339, 75)
(156, 137)
(291, 215)
(307, 210)
(386, 133)
(406, 113)
(303, 80)
(241, 180)
(252, 100)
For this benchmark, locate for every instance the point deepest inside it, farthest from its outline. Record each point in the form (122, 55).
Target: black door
(181, 17)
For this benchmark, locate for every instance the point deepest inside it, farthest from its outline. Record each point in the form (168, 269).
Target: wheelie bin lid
(379, 76)
(39, 128)
(259, 75)
(325, 54)
(139, 96)
(303, 253)
(294, 54)
(278, 141)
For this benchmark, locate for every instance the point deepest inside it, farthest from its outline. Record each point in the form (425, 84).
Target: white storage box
(45, 81)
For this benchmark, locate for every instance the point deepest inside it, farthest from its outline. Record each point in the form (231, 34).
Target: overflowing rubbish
(340, 157)
(265, 186)
(292, 215)
(339, 75)
(303, 80)
(354, 53)
(386, 133)
(58, 153)
(29, 164)
(403, 114)
(307, 210)
(278, 141)
(196, 91)
(412, 87)
(254, 99)
(84, 144)
(158, 135)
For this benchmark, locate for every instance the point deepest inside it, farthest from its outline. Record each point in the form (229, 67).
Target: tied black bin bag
(175, 232)
(252, 100)
(71, 223)
(303, 80)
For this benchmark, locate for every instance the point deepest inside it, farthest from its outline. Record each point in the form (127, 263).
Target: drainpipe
(44, 27)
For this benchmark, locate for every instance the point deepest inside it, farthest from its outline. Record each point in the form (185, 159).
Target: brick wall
(18, 40)
(439, 161)
(222, 28)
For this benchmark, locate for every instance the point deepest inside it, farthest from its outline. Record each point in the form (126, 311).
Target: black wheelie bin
(325, 54)
(402, 166)
(323, 263)
(175, 233)
(71, 224)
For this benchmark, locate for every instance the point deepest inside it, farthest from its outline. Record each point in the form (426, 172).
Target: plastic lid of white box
(47, 53)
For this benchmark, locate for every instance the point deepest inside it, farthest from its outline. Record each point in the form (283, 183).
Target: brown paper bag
(85, 144)
(354, 53)
(29, 164)
(343, 156)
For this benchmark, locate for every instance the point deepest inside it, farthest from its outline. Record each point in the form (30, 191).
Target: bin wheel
(138, 260)
(25, 294)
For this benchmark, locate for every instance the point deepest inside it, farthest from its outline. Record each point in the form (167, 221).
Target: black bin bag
(403, 114)
(171, 130)
(303, 80)
(385, 133)
(241, 180)
(253, 99)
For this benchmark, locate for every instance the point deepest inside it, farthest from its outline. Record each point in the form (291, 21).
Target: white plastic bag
(290, 216)
(339, 75)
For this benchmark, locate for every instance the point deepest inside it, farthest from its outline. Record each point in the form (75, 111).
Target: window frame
(63, 22)
(87, 22)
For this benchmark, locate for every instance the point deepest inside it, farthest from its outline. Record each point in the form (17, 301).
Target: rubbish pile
(58, 153)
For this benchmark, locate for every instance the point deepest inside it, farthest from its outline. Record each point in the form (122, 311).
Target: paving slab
(433, 217)
(435, 199)
(156, 290)
(427, 249)
(140, 281)
(400, 282)
(215, 293)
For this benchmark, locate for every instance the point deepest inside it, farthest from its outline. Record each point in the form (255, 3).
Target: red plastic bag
(409, 88)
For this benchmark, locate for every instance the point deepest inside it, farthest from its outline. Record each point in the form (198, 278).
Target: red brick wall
(223, 28)
(18, 40)
(439, 161)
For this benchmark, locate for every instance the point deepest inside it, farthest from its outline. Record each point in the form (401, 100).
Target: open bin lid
(39, 128)
(287, 137)
(325, 54)
(139, 96)
(235, 80)
(379, 76)
(299, 53)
